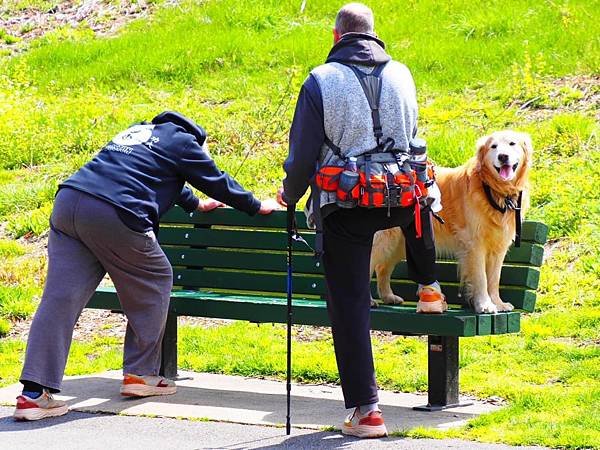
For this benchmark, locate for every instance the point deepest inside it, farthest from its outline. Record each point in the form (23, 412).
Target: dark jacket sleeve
(307, 136)
(200, 171)
(187, 200)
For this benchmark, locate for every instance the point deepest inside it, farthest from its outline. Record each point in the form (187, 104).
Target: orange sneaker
(145, 386)
(431, 300)
(39, 408)
(368, 426)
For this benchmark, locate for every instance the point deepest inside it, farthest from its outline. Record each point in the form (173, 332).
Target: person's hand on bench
(268, 206)
(209, 204)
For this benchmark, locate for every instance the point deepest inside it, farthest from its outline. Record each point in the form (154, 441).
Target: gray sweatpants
(87, 240)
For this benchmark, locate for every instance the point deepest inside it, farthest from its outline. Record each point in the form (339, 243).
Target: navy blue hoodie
(142, 171)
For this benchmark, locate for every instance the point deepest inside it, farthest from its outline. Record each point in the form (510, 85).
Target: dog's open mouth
(506, 171)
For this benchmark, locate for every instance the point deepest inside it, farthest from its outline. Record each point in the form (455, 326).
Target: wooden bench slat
(307, 264)
(224, 259)
(514, 323)
(531, 231)
(484, 324)
(500, 324)
(235, 239)
(528, 253)
(520, 298)
(534, 232)
(399, 319)
(313, 285)
(244, 281)
(231, 217)
(510, 276)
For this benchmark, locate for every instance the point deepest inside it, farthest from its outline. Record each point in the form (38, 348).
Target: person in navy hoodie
(105, 220)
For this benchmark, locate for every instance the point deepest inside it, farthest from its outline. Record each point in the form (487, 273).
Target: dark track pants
(347, 240)
(88, 239)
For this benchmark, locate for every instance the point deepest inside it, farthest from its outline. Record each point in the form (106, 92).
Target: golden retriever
(476, 233)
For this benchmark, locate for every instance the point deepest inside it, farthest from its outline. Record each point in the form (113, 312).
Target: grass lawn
(236, 66)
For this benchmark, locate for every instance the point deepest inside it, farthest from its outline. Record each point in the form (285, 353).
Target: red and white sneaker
(39, 408)
(145, 386)
(368, 426)
(431, 300)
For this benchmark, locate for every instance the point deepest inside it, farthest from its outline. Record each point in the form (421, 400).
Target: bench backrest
(227, 250)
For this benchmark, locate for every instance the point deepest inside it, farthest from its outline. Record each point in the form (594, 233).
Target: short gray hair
(354, 18)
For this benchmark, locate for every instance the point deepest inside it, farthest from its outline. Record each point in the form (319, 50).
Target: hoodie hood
(359, 48)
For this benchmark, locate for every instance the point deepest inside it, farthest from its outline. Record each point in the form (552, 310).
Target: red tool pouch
(328, 178)
(387, 185)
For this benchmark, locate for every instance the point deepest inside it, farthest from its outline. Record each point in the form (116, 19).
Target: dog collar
(508, 204)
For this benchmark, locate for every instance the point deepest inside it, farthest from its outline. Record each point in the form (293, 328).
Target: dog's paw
(502, 306)
(374, 303)
(392, 299)
(484, 306)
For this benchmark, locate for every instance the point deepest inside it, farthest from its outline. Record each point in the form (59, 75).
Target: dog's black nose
(503, 158)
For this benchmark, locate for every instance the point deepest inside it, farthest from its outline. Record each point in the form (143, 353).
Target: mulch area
(94, 323)
(103, 17)
(587, 85)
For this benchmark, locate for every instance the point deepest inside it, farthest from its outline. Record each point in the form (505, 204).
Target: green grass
(97, 355)
(10, 248)
(17, 302)
(237, 70)
(205, 61)
(21, 279)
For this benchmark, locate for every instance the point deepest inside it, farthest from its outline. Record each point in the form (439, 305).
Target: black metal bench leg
(442, 374)
(168, 359)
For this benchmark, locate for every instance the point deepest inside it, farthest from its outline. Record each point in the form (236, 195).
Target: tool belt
(382, 180)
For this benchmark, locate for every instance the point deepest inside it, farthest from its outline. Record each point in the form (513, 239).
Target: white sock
(366, 409)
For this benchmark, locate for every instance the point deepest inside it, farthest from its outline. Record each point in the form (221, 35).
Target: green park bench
(229, 265)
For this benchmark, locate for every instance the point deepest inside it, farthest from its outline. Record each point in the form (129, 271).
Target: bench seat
(260, 309)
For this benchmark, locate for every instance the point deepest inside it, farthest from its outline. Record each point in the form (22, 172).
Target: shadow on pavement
(99, 394)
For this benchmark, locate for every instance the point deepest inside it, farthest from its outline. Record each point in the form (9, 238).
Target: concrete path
(85, 431)
(224, 412)
(247, 400)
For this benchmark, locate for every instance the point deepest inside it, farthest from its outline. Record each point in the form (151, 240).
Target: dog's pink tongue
(505, 172)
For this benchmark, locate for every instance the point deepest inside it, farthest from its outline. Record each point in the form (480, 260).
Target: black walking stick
(291, 211)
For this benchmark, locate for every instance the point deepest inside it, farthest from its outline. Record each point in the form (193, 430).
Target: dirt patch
(580, 93)
(102, 17)
(97, 323)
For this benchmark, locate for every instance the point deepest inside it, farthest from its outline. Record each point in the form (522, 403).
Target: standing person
(333, 121)
(105, 219)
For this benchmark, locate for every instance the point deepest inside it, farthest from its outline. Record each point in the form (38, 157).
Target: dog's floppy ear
(527, 146)
(481, 145)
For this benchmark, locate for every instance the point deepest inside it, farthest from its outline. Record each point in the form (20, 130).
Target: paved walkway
(224, 412)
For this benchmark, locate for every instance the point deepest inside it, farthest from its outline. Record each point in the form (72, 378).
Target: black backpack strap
(518, 220)
(371, 84)
(334, 148)
(368, 179)
(315, 199)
